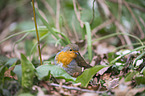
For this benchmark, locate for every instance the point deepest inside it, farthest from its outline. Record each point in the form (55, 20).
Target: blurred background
(105, 30)
(117, 20)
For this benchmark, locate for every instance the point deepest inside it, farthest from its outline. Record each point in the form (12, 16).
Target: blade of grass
(89, 40)
(26, 34)
(21, 38)
(44, 45)
(114, 34)
(27, 31)
(16, 35)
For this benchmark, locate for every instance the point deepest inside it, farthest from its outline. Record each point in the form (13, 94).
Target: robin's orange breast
(65, 57)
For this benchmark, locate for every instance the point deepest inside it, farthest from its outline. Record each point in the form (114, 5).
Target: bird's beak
(77, 53)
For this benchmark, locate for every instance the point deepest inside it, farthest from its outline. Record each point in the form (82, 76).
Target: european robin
(70, 60)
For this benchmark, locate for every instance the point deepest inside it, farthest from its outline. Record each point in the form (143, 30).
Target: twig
(105, 8)
(122, 29)
(41, 12)
(142, 21)
(119, 9)
(75, 88)
(93, 12)
(37, 32)
(78, 15)
(102, 15)
(75, 33)
(45, 86)
(133, 16)
(101, 26)
(49, 8)
(57, 14)
(120, 47)
(119, 17)
(131, 5)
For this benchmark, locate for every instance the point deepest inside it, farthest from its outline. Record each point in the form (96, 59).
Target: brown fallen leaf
(112, 84)
(8, 73)
(89, 94)
(134, 91)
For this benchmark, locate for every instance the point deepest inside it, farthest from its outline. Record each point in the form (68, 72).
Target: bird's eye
(70, 50)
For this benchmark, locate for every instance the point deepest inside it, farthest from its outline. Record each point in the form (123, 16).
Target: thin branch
(41, 12)
(119, 18)
(75, 88)
(93, 12)
(105, 8)
(101, 13)
(37, 32)
(57, 14)
(75, 33)
(133, 16)
(122, 29)
(131, 5)
(119, 9)
(142, 21)
(101, 26)
(49, 8)
(78, 14)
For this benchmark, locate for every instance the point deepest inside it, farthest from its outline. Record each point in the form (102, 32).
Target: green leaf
(26, 94)
(111, 56)
(27, 72)
(87, 75)
(129, 76)
(143, 71)
(140, 79)
(57, 72)
(18, 71)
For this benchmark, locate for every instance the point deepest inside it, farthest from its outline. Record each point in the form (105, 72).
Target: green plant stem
(134, 44)
(37, 32)
(136, 49)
